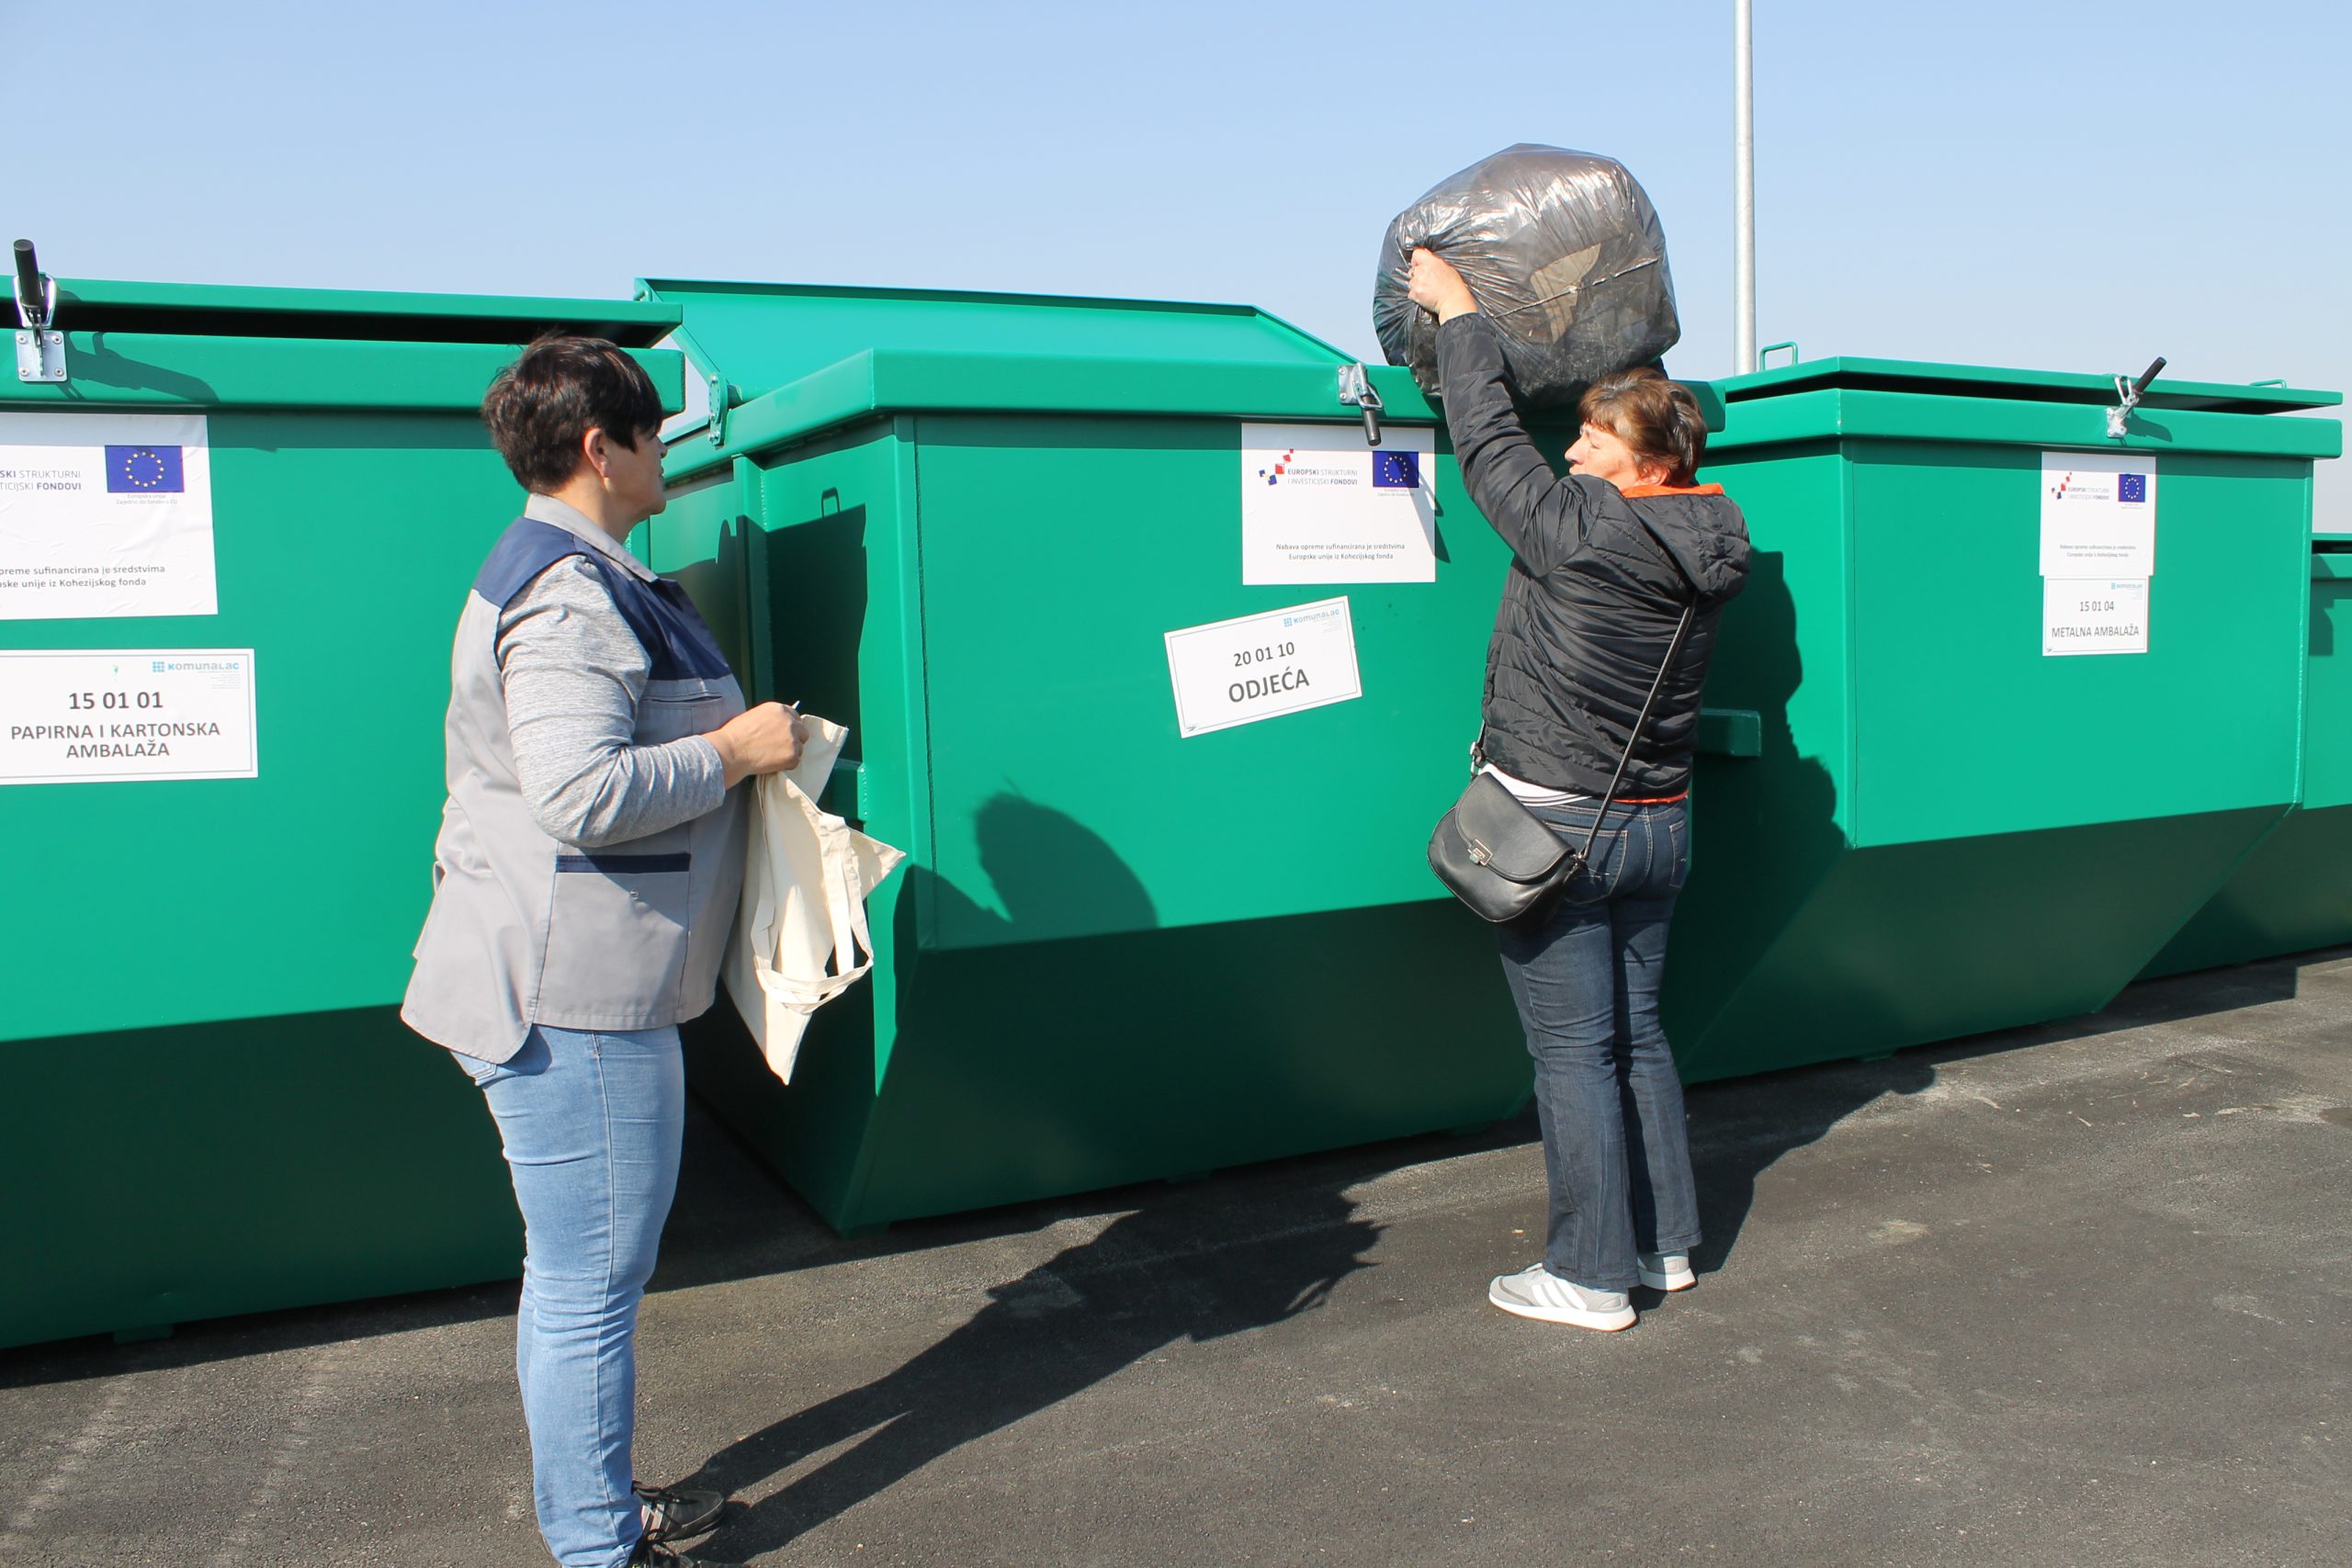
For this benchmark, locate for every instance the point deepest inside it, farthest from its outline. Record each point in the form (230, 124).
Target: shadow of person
(1053, 874)
(1764, 834)
(1153, 1278)
(1737, 1002)
(1740, 1129)
(104, 364)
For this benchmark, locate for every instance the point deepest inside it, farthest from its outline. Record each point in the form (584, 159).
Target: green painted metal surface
(1115, 955)
(203, 310)
(1944, 831)
(220, 1110)
(162, 1176)
(759, 336)
(2294, 891)
(797, 360)
(961, 524)
(1849, 373)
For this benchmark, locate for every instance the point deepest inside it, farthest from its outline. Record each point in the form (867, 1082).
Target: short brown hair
(539, 407)
(1657, 419)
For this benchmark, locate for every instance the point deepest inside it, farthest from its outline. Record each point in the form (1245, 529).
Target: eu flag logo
(143, 470)
(1396, 470)
(2132, 486)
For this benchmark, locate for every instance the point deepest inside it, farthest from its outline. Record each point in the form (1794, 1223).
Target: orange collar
(1639, 491)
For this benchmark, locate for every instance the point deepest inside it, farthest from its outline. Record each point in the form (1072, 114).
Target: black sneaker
(674, 1513)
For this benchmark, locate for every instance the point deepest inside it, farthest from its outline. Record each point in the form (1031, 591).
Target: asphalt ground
(2068, 1296)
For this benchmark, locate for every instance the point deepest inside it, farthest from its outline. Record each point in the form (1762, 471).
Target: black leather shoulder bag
(1501, 859)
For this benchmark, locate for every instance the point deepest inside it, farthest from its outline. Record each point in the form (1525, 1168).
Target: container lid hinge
(720, 392)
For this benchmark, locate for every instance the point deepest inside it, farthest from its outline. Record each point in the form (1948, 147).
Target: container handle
(1729, 732)
(1772, 348)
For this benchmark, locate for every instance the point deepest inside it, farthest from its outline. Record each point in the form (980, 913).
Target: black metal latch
(1355, 390)
(2128, 394)
(40, 349)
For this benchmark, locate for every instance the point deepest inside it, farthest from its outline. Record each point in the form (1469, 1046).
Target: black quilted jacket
(1591, 601)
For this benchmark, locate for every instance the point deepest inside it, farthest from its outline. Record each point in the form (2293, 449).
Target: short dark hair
(1658, 420)
(539, 407)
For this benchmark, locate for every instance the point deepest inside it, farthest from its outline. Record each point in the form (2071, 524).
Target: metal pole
(1743, 114)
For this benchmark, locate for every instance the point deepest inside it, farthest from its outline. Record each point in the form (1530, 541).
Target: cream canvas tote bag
(800, 936)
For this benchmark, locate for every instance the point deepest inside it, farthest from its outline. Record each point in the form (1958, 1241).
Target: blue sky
(2066, 185)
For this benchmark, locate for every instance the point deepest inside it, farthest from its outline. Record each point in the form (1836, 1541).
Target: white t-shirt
(1536, 793)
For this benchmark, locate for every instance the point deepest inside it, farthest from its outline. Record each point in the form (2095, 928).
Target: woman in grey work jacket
(1605, 564)
(589, 861)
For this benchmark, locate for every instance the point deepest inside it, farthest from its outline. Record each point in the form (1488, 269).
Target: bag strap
(1626, 757)
(1673, 647)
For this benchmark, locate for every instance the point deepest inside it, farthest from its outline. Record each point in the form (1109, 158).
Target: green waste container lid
(196, 309)
(796, 359)
(2030, 386)
(765, 335)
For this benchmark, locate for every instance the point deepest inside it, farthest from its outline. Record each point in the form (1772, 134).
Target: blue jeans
(591, 1124)
(1586, 978)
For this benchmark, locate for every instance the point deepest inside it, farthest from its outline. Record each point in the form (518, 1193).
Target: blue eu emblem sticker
(144, 471)
(2132, 487)
(1396, 470)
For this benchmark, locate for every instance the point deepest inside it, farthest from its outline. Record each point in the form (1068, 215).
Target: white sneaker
(1665, 1270)
(1535, 1291)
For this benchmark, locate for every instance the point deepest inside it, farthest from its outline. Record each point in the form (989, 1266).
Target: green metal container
(1945, 829)
(215, 1107)
(2294, 891)
(962, 524)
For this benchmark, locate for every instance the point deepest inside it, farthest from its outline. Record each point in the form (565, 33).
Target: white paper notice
(119, 715)
(2098, 515)
(105, 514)
(2094, 615)
(1318, 505)
(1257, 667)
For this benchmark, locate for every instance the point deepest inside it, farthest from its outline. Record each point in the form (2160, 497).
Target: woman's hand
(1436, 288)
(764, 740)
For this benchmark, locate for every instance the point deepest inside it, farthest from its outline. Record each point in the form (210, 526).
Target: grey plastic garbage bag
(1563, 251)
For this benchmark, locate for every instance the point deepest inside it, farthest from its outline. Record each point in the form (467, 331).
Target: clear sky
(2066, 185)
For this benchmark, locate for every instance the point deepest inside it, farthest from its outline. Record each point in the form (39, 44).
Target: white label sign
(1318, 505)
(1255, 667)
(2094, 615)
(105, 514)
(2098, 515)
(119, 715)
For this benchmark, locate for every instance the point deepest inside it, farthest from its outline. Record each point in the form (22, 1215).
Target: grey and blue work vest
(526, 929)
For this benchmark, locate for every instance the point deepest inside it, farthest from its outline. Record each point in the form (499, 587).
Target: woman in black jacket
(1603, 564)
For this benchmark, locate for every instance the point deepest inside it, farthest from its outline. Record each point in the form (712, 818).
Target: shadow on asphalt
(1221, 1256)
(1153, 1278)
(1739, 1127)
